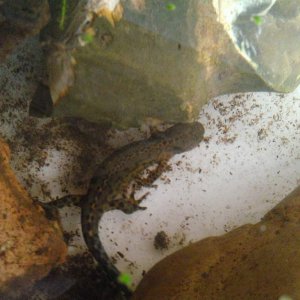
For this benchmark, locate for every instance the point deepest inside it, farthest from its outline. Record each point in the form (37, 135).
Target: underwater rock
(260, 261)
(266, 34)
(153, 64)
(70, 28)
(163, 62)
(20, 19)
(30, 245)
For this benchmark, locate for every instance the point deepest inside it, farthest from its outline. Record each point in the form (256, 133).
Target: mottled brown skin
(109, 185)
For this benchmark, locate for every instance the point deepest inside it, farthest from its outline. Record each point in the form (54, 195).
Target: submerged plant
(171, 6)
(87, 38)
(125, 279)
(258, 20)
(63, 12)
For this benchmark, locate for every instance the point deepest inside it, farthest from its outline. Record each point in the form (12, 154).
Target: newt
(109, 187)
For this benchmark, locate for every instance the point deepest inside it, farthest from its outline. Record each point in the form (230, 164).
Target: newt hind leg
(127, 201)
(152, 175)
(129, 204)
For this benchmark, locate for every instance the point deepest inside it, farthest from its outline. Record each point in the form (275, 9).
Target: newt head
(184, 136)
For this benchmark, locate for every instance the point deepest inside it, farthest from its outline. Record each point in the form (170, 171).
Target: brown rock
(260, 261)
(30, 245)
(20, 19)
